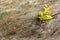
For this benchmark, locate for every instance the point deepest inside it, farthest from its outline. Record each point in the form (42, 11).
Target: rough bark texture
(18, 20)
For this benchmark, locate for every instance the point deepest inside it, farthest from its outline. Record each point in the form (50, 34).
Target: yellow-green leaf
(47, 9)
(48, 17)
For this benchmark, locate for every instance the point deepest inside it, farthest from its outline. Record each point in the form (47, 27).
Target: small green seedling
(43, 16)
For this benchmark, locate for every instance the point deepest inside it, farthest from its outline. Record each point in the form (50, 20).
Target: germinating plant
(43, 16)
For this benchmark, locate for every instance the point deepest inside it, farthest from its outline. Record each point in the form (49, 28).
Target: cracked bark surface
(18, 20)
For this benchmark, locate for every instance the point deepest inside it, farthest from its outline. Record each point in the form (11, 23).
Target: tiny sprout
(43, 15)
